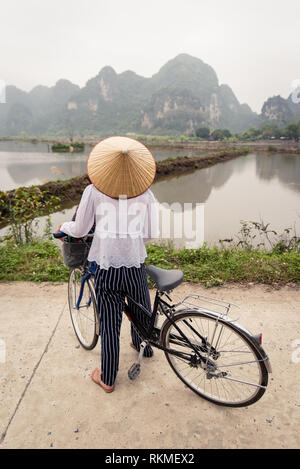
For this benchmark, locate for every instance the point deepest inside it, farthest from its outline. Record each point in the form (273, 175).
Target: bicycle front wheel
(215, 359)
(84, 315)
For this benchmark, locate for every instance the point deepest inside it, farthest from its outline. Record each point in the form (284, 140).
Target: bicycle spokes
(215, 359)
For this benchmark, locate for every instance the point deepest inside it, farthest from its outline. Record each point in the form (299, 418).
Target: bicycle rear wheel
(231, 371)
(85, 316)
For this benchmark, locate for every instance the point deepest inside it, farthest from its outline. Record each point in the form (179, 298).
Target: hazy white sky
(252, 45)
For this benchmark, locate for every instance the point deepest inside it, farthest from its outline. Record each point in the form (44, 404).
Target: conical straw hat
(121, 166)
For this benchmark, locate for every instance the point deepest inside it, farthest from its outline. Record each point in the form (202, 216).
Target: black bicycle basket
(75, 251)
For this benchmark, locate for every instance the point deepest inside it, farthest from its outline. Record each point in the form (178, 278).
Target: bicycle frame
(149, 334)
(152, 333)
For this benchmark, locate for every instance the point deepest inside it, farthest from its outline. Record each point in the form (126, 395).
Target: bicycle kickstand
(135, 369)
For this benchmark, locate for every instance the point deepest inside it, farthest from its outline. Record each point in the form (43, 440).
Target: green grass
(41, 261)
(214, 266)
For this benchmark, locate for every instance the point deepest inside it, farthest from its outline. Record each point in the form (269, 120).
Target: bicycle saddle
(164, 279)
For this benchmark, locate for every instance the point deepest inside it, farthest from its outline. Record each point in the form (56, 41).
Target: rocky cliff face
(35, 112)
(182, 96)
(276, 109)
(280, 111)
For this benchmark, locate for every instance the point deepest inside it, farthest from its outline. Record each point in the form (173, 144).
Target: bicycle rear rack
(214, 306)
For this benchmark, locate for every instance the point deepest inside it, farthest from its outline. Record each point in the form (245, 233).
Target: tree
(202, 132)
(251, 134)
(221, 134)
(227, 133)
(270, 130)
(292, 131)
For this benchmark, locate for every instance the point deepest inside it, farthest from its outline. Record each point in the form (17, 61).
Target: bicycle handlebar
(59, 234)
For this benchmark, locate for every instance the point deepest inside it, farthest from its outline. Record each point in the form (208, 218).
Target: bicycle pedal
(141, 352)
(134, 371)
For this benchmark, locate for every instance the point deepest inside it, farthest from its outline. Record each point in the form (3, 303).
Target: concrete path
(47, 398)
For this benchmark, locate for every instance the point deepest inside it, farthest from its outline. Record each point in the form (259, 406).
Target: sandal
(96, 378)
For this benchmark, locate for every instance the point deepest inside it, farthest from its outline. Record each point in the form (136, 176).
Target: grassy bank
(214, 266)
(41, 261)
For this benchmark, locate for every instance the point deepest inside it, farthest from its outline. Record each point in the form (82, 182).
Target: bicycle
(207, 349)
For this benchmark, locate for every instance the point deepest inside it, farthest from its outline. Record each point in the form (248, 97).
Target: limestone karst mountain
(182, 96)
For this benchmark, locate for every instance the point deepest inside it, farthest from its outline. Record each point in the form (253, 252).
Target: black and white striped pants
(111, 287)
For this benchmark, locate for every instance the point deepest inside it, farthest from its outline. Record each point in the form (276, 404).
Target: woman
(125, 214)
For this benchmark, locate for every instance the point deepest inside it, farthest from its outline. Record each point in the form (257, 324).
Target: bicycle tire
(87, 313)
(208, 388)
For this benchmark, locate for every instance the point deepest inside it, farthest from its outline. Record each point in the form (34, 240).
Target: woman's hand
(60, 239)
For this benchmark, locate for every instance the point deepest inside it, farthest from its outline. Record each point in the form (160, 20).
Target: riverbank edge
(71, 189)
(41, 261)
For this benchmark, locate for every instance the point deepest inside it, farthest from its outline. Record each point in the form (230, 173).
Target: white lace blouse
(122, 227)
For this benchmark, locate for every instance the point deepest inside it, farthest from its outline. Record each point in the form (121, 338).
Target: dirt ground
(47, 399)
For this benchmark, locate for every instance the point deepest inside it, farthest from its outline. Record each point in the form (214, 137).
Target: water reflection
(20, 147)
(284, 167)
(24, 172)
(194, 186)
(239, 190)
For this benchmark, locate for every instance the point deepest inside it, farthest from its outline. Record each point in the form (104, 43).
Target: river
(257, 187)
